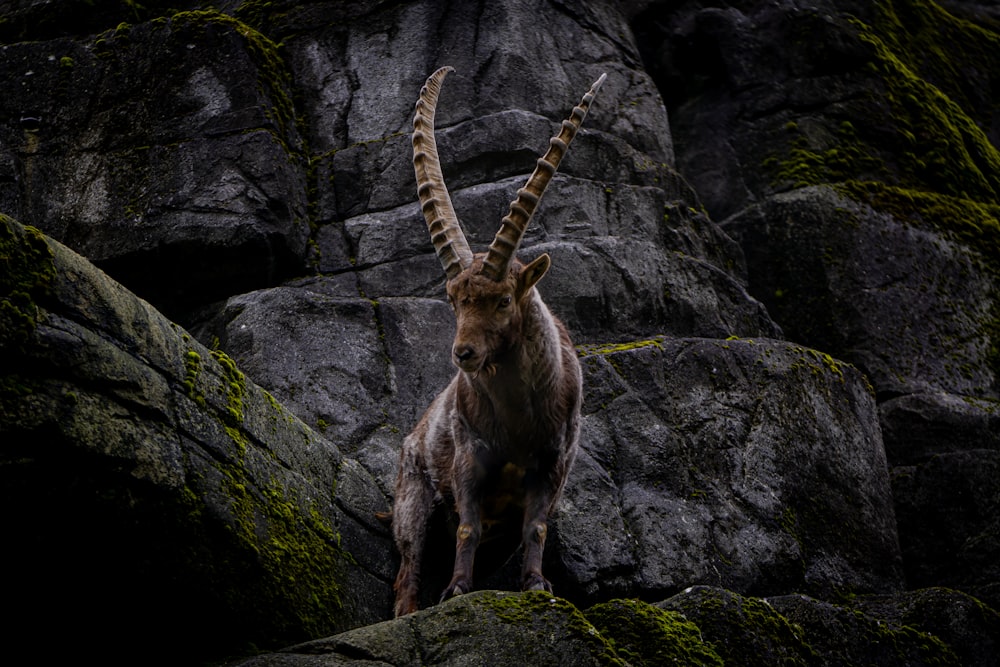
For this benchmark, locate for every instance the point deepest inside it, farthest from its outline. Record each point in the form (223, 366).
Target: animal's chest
(504, 494)
(519, 427)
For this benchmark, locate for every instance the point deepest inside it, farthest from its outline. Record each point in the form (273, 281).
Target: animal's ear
(532, 273)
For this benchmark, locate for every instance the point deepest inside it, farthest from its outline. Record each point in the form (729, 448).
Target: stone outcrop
(153, 490)
(701, 626)
(166, 152)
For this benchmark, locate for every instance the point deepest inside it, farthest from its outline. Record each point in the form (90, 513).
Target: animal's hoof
(536, 582)
(403, 610)
(455, 589)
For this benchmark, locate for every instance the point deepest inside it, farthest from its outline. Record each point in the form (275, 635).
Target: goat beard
(488, 367)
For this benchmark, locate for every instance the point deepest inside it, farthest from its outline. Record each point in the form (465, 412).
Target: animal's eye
(504, 301)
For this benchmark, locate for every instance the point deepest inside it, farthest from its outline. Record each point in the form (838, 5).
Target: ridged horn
(446, 234)
(508, 238)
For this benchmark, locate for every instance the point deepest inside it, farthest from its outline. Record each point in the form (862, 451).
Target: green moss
(295, 546)
(646, 635)
(192, 369)
(256, 13)
(235, 386)
(611, 348)
(828, 362)
(517, 609)
(301, 551)
(26, 276)
(804, 165)
(920, 120)
(746, 631)
(936, 143)
(275, 78)
(288, 555)
(930, 650)
(955, 55)
(968, 221)
(540, 609)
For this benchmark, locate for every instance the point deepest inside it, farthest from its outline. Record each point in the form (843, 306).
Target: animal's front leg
(467, 487)
(538, 501)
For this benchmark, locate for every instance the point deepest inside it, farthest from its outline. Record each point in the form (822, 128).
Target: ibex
(506, 428)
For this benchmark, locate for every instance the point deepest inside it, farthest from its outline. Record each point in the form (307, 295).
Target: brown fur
(504, 431)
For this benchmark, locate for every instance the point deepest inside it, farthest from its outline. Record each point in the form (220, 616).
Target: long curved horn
(508, 238)
(446, 234)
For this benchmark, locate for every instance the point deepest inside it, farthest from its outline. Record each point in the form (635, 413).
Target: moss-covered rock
(646, 635)
(753, 464)
(700, 626)
(26, 274)
(969, 628)
(743, 630)
(484, 628)
(908, 130)
(150, 474)
(842, 635)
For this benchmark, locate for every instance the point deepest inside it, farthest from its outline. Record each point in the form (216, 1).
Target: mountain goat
(504, 432)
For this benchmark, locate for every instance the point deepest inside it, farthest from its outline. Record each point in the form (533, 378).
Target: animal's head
(488, 291)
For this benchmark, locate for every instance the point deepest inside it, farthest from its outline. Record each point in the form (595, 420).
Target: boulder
(481, 628)
(945, 451)
(903, 285)
(643, 634)
(948, 530)
(916, 427)
(725, 463)
(969, 628)
(157, 493)
(899, 283)
(166, 152)
(745, 631)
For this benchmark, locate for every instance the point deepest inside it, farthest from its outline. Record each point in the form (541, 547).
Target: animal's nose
(464, 352)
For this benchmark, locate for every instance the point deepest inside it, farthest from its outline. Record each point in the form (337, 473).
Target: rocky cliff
(775, 242)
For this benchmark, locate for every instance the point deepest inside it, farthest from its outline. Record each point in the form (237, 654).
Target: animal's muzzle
(467, 358)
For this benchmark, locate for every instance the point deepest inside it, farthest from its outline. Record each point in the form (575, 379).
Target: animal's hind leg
(410, 514)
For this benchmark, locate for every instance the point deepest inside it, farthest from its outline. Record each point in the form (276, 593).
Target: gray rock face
(627, 261)
(909, 304)
(726, 463)
(947, 523)
(968, 627)
(166, 152)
